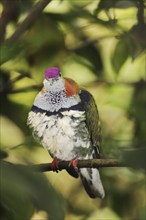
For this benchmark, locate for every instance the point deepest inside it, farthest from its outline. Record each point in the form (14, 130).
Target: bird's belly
(65, 136)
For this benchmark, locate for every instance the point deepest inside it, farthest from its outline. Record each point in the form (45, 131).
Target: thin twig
(34, 13)
(93, 163)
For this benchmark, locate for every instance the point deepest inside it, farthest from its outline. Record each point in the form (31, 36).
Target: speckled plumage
(65, 120)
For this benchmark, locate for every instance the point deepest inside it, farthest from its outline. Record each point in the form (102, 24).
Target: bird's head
(52, 73)
(54, 80)
(57, 91)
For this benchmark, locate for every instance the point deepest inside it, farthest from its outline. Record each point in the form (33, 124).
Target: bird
(65, 120)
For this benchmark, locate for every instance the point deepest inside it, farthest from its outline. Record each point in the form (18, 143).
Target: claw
(74, 163)
(55, 164)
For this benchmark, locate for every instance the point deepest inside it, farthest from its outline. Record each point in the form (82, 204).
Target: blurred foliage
(100, 44)
(27, 191)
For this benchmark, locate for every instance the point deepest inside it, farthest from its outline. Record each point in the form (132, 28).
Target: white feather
(60, 136)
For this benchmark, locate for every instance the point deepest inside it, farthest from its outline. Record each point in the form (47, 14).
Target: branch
(140, 12)
(8, 87)
(94, 163)
(34, 13)
(8, 14)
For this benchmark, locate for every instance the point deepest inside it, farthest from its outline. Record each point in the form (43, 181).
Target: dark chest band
(78, 107)
(85, 100)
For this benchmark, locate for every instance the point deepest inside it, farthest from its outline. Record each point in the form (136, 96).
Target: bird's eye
(59, 73)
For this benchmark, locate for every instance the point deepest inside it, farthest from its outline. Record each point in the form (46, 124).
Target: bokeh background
(101, 45)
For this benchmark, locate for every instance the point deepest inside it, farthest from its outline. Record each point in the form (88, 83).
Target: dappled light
(101, 45)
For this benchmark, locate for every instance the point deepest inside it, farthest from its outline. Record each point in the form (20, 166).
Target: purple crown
(52, 72)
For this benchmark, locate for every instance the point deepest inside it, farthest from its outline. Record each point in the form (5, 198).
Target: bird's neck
(55, 97)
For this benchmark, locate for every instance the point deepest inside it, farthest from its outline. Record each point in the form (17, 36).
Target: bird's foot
(55, 164)
(74, 163)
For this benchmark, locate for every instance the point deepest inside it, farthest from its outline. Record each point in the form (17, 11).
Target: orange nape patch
(43, 90)
(71, 87)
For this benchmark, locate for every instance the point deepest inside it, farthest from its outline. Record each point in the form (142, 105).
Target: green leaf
(132, 44)
(120, 55)
(9, 51)
(105, 5)
(23, 190)
(25, 5)
(91, 53)
(45, 44)
(138, 37)
(138, 114)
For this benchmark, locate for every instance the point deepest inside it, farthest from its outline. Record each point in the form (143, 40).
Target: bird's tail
(92, 183)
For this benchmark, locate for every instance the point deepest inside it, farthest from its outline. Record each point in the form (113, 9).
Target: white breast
(61, 136)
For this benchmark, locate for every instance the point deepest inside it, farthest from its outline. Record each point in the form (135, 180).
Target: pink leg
(55, 164)
(74, 163)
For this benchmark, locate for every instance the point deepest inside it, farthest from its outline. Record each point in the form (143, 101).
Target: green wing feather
(92, 120)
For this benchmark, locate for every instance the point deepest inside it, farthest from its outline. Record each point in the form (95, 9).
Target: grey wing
(92, 120)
